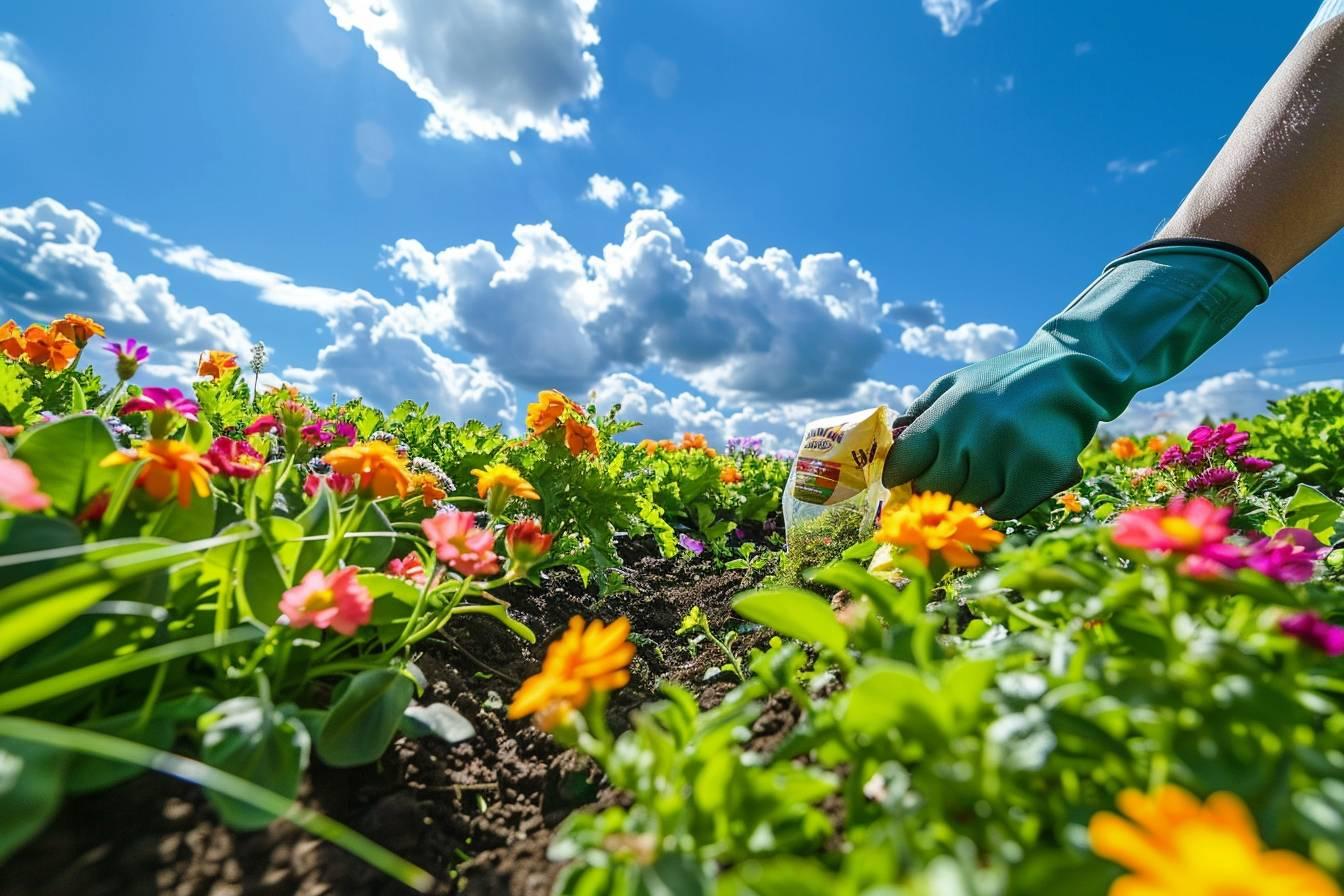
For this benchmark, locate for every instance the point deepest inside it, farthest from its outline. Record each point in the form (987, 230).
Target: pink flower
(410, 568)
(130, 355)
(1254, 464)
(1173, 455)
(339, 483)
(265, 423)
(1289, 555)
(1227, 437)
(158, 400)
(335, 601)
(18, 487)
(1212, 478)
(233, 458)
(1312, 630)
(457, 542)
(1196, 528)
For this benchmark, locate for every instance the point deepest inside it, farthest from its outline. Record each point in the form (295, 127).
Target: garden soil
(478, 815)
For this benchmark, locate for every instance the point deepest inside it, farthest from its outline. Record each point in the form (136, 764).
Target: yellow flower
(730, 475)
(586, 660)
(932, 521)
(216, 364)
(1176, 846)
(381, 472)
(171, 467)
(78, 329)
(1069, 501)
(427, 484)
(1125, 448)
(505, 478)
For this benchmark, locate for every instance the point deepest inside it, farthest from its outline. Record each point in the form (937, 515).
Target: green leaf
(32, 781)
(1311, 510)
(438, 719)
(371, 552)
(28, 533)
(178, 523)
(263, 744)
(856, 580)
(363, 721)
(65, 458)
(797, 614)
(502, 614)
(78, 402)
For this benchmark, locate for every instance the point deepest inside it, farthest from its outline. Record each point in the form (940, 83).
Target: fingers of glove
(1030, 484)
(910, 455)
(985, 481)
(929, 396)
(946, 474)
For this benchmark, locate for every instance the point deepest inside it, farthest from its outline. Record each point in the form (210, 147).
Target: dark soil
(478, 815)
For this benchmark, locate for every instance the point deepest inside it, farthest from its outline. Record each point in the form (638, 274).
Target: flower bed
(512, 665)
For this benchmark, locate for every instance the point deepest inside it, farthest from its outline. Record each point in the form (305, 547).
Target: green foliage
(1305, 433)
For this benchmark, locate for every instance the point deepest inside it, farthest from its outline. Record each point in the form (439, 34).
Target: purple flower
(1212, 478)
(1254, 464)
(1289, 555)
(1173, 455)
(1312, 630)
(785, 454)
(690, 544)
(157, 400)
(130, 355)
(744, 445)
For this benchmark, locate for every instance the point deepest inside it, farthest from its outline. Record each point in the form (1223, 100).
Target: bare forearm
(1277, 187)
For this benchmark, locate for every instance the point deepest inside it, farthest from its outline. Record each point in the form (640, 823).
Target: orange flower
(171, 467)
(381, 472)
(1155, 444)
(77, 329)
(11, 340)
(216, 364)
(586, 660)
(648, 446)
(549, 408)
(932, 521)
(667, 444)
(580, 437)
(1069, 501)
(49, 349)
(730, 475)
(1176, 846)
(694, 441)
(1125, 448)
(427, 484)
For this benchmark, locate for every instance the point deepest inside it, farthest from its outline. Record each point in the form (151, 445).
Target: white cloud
(967, 343)
(611, 192)
(514, 157)
(50, 265)
(15, 88)
(954, 15)
(1005, 84)
(1123, 168)
(921, 314)
(1235, 394)
(488, 69)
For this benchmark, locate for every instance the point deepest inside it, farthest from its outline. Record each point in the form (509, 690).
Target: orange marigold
(216, 364)
(932, 521)
(586, 660)
(1069, 501)
(171, 468)
(78, 329)
(1176, 846)
(11, 340)
(1125, 448)
(549, 408)
(648, 446)
(49, 349)
(427, 484)
(730, 475)
(580, 437)
(380, 471)
(1155, 444)
(694, 441)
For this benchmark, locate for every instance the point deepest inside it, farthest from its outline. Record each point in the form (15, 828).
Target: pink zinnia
(234, 458)
(459, 543)
(411, 568)
(1254, 464)
(339, 483)
(336, 601)
(1311, 629)
(1226, 437)
(1289, 555)
(1195, 528)
(265, 423)
(1212, 478)
(158, 400)
(18, 487)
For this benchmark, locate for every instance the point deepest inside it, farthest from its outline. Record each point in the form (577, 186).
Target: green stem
(737, 667)
(152, 698)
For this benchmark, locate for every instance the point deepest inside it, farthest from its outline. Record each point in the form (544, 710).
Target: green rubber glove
(1005, 433)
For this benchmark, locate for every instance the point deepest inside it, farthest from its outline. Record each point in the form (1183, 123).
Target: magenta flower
(157, 400)
(321, 433)
(458, 542)
(130, 355)
(1289, 555)
(1212, 478)
(1254, 464)
(1226, 436)
(339, 483)
(19, 487)
(265, 423)
(690, 544)
(1173, 455)
(337, 601)
(1312, 630)
(234, 458)
(1196, 529)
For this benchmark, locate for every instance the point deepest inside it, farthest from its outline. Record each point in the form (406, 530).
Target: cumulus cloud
(954, 15)
(920, 314)
(488, 69)
(515, 158)
(1123, 168)
(779, 425)
(736, 325)
(1235, 394)
(15, 88)
(611, 192)
(50, 265)
(967, 343)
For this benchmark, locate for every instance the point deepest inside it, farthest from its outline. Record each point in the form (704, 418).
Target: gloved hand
(1005, 433)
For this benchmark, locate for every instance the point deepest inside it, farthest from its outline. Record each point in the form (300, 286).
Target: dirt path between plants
(478, 815)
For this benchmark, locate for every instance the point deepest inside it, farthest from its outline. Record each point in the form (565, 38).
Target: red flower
(234, 458)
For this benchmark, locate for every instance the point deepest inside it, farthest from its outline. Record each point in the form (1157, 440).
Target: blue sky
(322, 178)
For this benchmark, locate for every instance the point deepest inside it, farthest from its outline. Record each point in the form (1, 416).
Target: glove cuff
(1193, 245)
